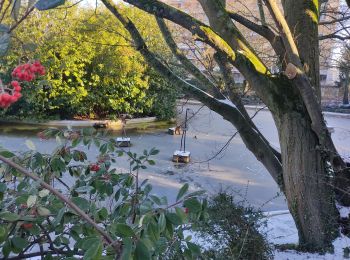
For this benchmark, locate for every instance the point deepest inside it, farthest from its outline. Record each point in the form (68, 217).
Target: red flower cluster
(8, 98)
(29, 71)
(94, 167)
(24, 72)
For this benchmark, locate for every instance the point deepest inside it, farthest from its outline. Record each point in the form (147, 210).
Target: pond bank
(113, 125)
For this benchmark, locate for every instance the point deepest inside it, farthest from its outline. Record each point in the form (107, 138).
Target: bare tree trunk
(346, 89)
(308, 182)
(301, 22)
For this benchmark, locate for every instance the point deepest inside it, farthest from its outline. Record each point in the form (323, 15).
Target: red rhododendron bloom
(25, 72)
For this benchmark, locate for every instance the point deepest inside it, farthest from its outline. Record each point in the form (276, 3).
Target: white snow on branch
(227, 102)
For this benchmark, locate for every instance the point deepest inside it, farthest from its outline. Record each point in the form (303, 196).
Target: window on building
(323, 77)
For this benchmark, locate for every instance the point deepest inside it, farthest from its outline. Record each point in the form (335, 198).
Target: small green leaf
(8, 216)
(181, 214)
(19, 242)
(3, 233)
(3, 187)
(123, 230)
(42, 5)
(182, 191)
(103, 213)
(193, 205)
(194, 248)
(173, 218)
(82, 203)
(161, 222)
(93, 247)
(154, 151)
(127, 248)
(59, 216)
(141, 251)
(156, 199)
(7, 154)
(151, 162)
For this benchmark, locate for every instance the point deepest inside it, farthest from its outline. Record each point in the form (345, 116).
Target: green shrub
(115, 215)
(233, 230)
(92, 71)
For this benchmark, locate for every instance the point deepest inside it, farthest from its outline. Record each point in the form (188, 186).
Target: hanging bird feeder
(182, 156)
(123, 141)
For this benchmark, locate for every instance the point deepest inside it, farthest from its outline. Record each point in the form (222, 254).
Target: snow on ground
(343, 211)
(281, 230)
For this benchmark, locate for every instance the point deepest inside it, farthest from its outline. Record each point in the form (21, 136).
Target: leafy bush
(92, 70)
(233, 231)
(94, 211)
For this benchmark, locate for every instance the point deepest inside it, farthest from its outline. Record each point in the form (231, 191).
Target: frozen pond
(233, 170)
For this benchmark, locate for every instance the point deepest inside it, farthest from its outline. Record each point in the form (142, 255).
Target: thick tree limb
(249, 136)
(234, 95)
(262, 30)
(292, 52)
(204, 81)
(232, 49)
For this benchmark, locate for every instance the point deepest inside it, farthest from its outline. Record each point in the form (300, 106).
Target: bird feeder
(123, 141)
(182, 156)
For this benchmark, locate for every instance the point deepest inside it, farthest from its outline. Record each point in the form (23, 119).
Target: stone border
(111, 124)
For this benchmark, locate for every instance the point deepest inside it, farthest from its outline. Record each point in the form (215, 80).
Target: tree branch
(223, 107)
(292, 52)
(185, 61)
(59, 195)
(263, 31)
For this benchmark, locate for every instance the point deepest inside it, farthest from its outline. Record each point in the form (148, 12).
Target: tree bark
(307, 149)
(346, 89)
(302, 17)
(308, 182)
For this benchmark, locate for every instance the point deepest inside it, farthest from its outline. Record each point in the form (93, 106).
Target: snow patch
(281, 229)
(123, 139)
(343, 211)
(227, 102)
(182, 153)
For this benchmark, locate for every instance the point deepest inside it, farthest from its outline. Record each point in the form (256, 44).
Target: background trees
(93, 69)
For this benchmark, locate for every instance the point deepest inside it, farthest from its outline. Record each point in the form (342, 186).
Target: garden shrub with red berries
(117, 216)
